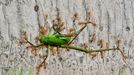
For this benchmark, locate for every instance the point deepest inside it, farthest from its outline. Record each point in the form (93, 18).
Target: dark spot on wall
(58, 65)
(101, 28)
(1, 37)
(112, 69)
(125, 42)
(6, 69)
(91, 67)
(107, 60)
(69, 65)
(60, 58)
(130, 43)
(54, 60)
(36, 8)
(73, 63)
(127, 28)
(113, 46)
(130, 57)
(81, 69)
(81, 59)
(73, 69)
(6, 56)
(113, 55)
(122, 2)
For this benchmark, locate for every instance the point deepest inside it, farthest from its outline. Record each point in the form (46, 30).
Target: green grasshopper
(57, 39)
(62, 41)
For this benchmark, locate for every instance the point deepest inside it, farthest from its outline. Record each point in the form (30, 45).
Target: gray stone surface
(113, 17)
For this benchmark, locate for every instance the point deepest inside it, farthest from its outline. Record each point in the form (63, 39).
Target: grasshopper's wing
(66, 39)
(61, 37)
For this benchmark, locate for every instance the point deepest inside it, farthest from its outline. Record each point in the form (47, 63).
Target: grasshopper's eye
(43, 39)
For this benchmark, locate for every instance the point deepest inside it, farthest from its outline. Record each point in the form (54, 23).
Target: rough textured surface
(114, 18)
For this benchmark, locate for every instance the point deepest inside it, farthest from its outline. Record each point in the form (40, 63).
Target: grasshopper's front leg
(43, 63)
(47, 54)
(28, 44)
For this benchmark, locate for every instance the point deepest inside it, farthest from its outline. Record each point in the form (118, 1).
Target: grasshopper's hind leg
(44, 63)
(46, 56)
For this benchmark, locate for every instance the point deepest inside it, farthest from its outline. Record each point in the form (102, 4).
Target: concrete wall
(114, 18)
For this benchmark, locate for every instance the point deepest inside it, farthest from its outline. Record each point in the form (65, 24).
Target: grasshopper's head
(43, 39)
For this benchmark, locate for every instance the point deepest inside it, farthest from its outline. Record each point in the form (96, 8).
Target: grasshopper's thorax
(43, 39)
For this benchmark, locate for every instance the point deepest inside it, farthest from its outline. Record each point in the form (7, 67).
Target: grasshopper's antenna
(80, 31)
(77, 34)
(55, 26)
(55, 29)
